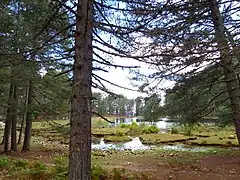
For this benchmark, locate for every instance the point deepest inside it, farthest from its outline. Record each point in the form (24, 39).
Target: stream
(136, 145)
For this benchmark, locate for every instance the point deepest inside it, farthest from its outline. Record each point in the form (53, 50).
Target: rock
(233, 171)
(129, 163)
(214, 152)
(170, 177)
(171, 154)
(231, 137)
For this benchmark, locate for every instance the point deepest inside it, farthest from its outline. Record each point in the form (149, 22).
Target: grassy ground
(49, 153)
(46, 162)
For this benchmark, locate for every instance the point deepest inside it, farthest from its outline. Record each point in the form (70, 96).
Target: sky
(122, 77)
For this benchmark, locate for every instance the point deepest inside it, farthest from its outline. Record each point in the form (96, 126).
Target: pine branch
(102, 117)
(100, 78)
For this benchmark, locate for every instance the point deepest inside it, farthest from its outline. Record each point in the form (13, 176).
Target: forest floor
(152, 164)
(222, 163)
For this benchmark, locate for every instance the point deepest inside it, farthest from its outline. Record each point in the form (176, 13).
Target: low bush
(3, 162)
(119, 132)
(21, 164)
(135, 130)
(150, 130)
(37, 168)
(134, 125)
(61, 166)
(174, 130)
(123, 125)
(187, 129)
(118, 174)
(98, 173)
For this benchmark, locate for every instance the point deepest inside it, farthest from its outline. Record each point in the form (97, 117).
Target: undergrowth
(23, 169)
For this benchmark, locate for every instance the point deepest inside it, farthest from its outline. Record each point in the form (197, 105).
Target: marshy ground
(48, 157)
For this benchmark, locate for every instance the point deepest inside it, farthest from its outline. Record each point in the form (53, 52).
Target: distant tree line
(148, 107)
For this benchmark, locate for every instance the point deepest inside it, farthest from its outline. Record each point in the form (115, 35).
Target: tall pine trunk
(14, 119)
(27, 134)
(24, 116)
(80, 121)
(8, 123)
(21, 130)
(227, 63)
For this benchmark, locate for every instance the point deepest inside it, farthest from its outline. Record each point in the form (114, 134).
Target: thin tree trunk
(8, 122)
(14, 119)
(80, 121)
(227, 63)
(24, 116)
(27, 134)
(21, 130)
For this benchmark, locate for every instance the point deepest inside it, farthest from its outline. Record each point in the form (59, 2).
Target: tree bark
(14, 119)
(227, 63)
(80, 121)
(21, 130)
(24, 116)
(27, 134)
(8, 122)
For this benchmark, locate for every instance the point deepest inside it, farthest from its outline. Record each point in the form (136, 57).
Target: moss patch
(214, 141)
(116, 138)
(109, 131)
(164, 138)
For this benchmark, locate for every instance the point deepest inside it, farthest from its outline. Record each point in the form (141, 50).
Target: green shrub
(120, 133)
(98, 173)
(134, 129)
(123, 125)
(143, 125)
(61, 164)
(118, 174)
(61, 168)
(37, 170)
(134, 125)
(3, 162)
(150, 130)
(21, 164)
(174, 130)
(187, 130)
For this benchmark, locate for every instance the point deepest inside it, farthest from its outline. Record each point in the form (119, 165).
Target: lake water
(162, 124)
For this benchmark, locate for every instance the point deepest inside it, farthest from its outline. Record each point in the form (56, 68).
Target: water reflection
(181, 147)
(162, 124)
